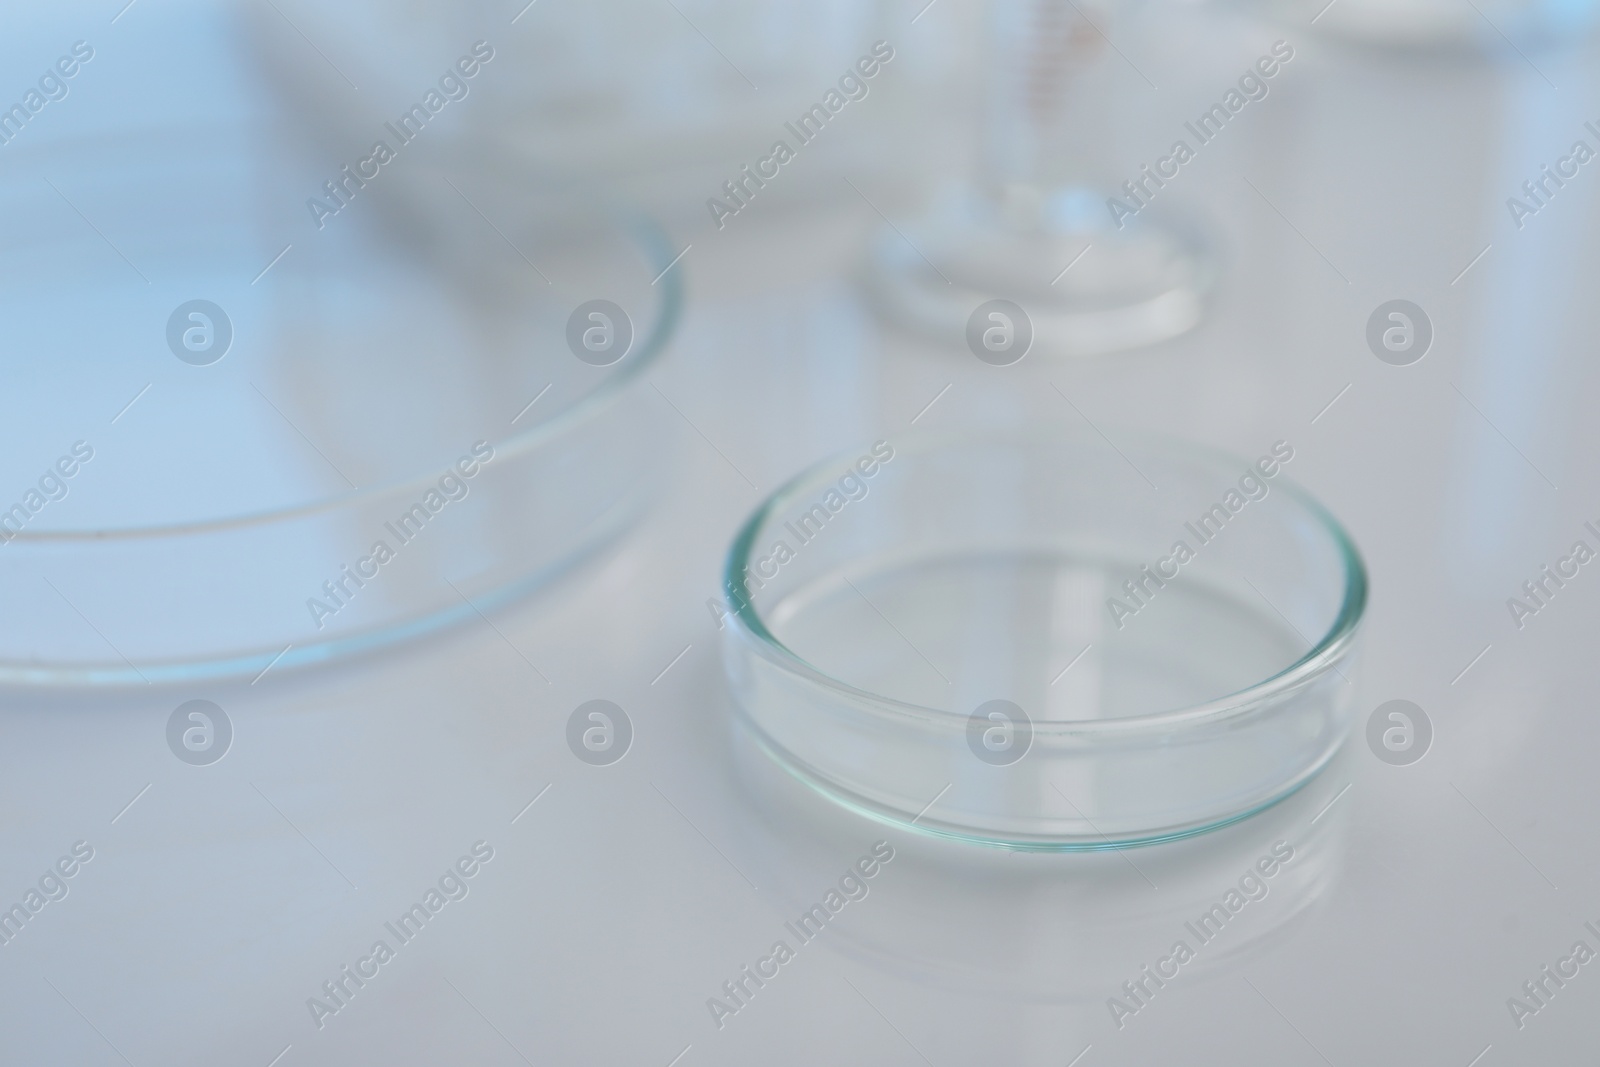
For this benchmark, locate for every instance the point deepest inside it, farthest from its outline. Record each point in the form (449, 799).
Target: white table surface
(613, 908)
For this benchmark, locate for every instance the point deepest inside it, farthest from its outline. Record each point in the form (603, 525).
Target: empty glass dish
(259, 444)
(1019, 639)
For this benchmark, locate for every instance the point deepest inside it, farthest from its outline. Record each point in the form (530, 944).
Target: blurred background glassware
(646, 102)
(981, 567)
(1033, 226)
(225, 494)
(1484, 26)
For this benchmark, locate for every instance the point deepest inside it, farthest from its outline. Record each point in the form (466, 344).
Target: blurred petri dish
(257, 444)
(997, 637)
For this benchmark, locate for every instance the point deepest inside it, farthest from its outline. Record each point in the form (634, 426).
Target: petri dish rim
(648, 236)
(1323, 654)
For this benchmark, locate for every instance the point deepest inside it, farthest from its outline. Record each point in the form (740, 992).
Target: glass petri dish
(233, 475)
(997, 637)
